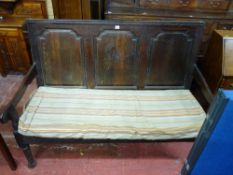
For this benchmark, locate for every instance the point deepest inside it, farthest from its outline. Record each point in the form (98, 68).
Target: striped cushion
(112, 114)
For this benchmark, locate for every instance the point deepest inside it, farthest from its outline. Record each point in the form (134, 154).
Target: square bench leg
(26, 150)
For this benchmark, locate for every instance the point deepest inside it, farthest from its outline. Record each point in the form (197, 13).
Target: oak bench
(109, 81)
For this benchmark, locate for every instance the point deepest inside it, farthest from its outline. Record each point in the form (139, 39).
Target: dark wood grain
(62, 57)
(212, 70)
(104, 54)
(78, 9)
(86, 9)
(69, 9)
(202, 86)
(16, 51)
(168, 59)
(116, 58)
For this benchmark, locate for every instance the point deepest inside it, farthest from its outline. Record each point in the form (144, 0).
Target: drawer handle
(184, 2)
(215, 3)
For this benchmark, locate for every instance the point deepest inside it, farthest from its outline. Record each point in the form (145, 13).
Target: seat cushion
(111, 114)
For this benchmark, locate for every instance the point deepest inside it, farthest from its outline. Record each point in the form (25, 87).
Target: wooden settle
(108, 60)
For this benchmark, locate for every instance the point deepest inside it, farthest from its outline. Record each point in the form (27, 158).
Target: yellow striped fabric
(112, 114)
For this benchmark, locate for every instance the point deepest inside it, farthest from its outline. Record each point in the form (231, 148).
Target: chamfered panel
(116, 59)
(114, 54)
(61, 57)
(167, 63)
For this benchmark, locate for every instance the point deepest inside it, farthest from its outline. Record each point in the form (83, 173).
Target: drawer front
(9, 32)
(29, 9)
(13, 50)
(227, 83)
(18, 54)
(122, 3)
(153, 4)
(213, 4)
(183, 4)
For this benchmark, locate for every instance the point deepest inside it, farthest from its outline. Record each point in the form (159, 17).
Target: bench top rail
(114, 54)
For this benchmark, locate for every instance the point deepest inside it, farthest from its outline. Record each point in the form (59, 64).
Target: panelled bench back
(109, 80)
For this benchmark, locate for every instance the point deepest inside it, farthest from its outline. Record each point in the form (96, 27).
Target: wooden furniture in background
(6, 153)
(217, 14)
(218, 64)
(67, 9)
(13, 51)
(14, 55)
(78, 9)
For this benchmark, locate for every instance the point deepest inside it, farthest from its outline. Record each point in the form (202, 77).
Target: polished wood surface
(78, 9)
(24, 8)
(14, 55)
(14, 50)
(33, 9)
(69, 9)
(108, 54)
(218, 64)
(86, 9)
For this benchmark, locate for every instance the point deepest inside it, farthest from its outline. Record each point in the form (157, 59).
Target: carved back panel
(61, 56)
(113, 54)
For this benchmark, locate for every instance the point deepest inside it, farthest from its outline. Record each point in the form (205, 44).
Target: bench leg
(28, 154)
(26, 150)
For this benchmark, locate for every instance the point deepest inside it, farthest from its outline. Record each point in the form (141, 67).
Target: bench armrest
(202, 85)
(7, 113)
